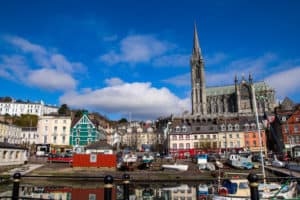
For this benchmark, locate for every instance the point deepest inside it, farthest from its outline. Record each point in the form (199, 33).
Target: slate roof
(229, 89)
(10, 146)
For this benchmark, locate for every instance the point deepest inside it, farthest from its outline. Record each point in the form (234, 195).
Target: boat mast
(259, 135)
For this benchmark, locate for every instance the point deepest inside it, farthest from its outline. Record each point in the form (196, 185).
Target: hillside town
(237, 125)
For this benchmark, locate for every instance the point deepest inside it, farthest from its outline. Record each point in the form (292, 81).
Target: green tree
(123, 120)
(64, 110)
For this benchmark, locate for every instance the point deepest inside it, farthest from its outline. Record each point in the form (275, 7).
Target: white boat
(147, 158)
(210, 166)
(240, 162)
(179, 167)
(277, 163)
(202, 161)
(219, 164)
(129, 158)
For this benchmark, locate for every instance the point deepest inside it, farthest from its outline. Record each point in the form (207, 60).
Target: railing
(108, 181)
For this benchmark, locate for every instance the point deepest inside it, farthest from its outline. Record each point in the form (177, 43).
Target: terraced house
(84, 131)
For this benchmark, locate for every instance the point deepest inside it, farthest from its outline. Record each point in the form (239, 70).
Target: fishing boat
(178, 167)
(233, 189)
(240, 162)
(202, 191)
(210, 166)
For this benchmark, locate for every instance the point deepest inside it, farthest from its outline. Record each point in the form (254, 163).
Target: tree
(64, 110)
(123, 120)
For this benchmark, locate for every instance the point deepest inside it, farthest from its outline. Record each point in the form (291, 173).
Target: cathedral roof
(229, 89)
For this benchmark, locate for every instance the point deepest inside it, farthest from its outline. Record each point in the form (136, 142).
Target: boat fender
(223, 191)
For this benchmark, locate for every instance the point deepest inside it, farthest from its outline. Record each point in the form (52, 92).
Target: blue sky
(121, 57)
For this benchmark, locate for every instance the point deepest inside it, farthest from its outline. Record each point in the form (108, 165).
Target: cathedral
(234, 100)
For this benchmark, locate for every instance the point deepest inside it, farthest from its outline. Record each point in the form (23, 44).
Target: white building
(17, 108)
(29, 135)
(10, 134)
(54, 130)
(12, 155)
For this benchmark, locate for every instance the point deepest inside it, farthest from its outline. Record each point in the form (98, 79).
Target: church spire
(196, 46)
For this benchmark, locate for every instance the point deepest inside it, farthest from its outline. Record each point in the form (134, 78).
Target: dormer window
(177, 129)
(184, 129)
(236, 127)
(229, 127)
(253, 126)
(223, 128)
(283, 118)
(246, 127)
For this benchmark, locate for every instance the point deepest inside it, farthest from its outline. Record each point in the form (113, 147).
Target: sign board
(93, 158)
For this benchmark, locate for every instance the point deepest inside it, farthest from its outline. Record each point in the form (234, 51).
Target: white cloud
(49, 79)
(285, 82)
(42, 61)
(141, 99)
(113, 81)
(136, 49)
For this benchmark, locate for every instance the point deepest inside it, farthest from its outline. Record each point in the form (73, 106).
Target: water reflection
(94, 191)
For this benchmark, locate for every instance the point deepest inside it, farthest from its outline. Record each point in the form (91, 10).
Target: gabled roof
(287, 104)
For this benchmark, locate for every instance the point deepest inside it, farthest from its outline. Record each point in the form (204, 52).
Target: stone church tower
(198, 78)
(237, 99)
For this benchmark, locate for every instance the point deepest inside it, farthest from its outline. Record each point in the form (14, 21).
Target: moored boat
(178, 167)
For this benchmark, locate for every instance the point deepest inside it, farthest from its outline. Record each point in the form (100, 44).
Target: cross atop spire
(196, 46)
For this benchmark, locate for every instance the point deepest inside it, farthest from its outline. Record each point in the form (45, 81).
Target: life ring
(223, 191)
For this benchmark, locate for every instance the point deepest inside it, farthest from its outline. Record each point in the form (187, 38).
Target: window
(195, 137)
(187, 137)
(223, 128)
(286, 128)
(55, 121)
(238, 144)
(187, 145)
(78, 132)
(195, 145)
(201, 136)
(46, 128)
(254, 135)
(184, 129)
(237, 135)
(174, 146)
(64, 129)
(231, 144)
(45, 139)
(180, 137)
(247, 143)
(246, 127)
(65, 121)
(230, 135)
(77, 141)
(197, 128)
(181, 146)
(296, 128)
(214, 136)
(89, 140)
(177, 129)
(254, 143)
(229, 127)
(174, 137)
(54, 139)
(55, 129)
(208, 136)
(89, 132)
(63, 139)
(237, 127)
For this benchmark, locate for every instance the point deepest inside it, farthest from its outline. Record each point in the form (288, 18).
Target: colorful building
(84, 132)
